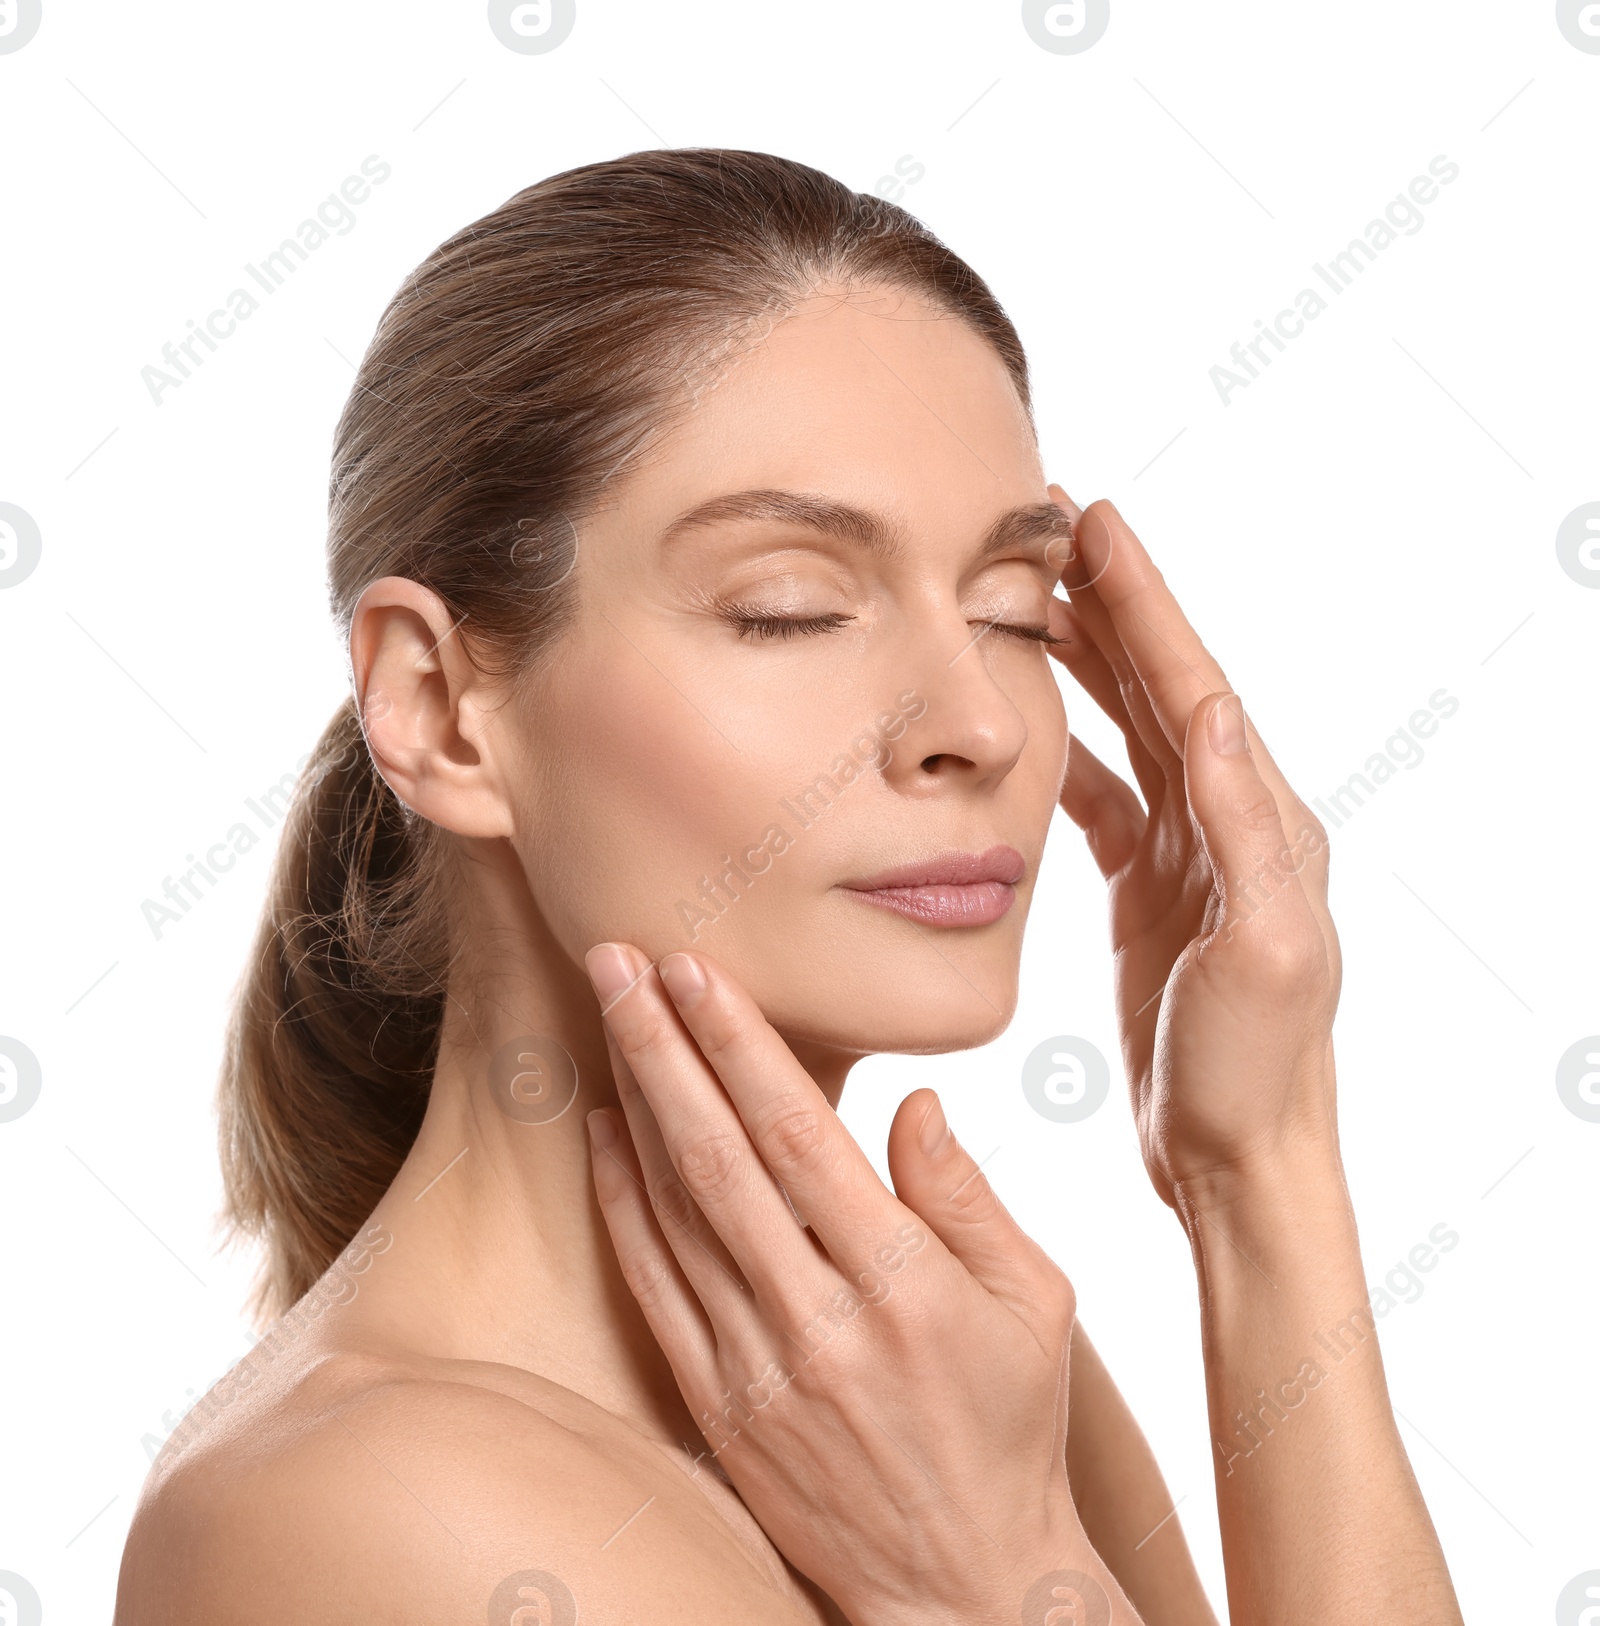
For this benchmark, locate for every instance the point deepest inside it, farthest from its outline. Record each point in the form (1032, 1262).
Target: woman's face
(781, 681)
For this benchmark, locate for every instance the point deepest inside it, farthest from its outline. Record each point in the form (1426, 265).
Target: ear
(426, 709)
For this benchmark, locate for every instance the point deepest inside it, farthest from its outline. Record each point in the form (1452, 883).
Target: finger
(1077, 651)
(649, 1267)
(797, 1133)
(1079, 576)
(1103, 806)
(699, 1159)
(1174, 666)
(711, 1270)
(936, 1176)
(1266, 914)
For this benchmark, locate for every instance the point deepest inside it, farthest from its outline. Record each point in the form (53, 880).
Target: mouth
(952, 889)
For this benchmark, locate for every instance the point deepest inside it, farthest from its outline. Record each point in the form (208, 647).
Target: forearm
(1122, 1499)
(1320, 1513)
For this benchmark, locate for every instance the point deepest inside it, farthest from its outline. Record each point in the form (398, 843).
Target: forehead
(871, 396)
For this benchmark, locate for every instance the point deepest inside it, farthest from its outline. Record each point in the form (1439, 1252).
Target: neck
(500, 1252)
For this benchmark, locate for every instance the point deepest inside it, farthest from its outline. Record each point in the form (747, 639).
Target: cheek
(644, 789)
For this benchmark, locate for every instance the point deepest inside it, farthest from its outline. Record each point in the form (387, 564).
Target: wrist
(1060, 1572)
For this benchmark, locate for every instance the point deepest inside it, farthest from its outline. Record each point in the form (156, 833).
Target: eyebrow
(843, 522)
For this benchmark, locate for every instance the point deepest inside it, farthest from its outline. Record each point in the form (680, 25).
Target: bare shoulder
(352, 1488)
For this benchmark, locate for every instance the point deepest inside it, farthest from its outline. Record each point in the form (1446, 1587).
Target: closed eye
(751, 622)
(1029, 634)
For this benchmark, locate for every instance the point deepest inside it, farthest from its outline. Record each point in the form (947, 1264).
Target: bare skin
(479, 1393)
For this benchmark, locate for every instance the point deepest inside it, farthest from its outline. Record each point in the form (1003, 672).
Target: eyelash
(752, 623)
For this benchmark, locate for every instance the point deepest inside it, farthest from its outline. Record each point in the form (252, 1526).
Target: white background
(1372, 520)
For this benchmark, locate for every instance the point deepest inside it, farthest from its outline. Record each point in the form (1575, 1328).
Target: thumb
(938, 1179)
(1241, 828)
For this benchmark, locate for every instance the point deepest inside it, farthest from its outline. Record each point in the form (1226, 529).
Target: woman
(690, 535)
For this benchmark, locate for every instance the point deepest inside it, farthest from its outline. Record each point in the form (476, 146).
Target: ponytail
(331, 1045)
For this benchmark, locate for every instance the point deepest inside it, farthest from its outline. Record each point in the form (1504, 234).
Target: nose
(968, 733)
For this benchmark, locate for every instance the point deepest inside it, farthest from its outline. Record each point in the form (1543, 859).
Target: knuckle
(673, 1202)
(648, 1277)
(710, 1166)
(792, 1140)
(973, 1200)
(641, 1034)
(1291, 958)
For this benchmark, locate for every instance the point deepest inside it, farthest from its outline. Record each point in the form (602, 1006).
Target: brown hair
(523, 363)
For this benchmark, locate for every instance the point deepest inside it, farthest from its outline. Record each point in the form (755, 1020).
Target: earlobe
(423, 709)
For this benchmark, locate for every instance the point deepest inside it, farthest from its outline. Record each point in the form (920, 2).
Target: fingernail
(610, 972)
(934, 1129)
(684, 976)
(1226, 726)
(601, 1130)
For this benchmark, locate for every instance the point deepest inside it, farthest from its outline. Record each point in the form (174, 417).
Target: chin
(885, 1016)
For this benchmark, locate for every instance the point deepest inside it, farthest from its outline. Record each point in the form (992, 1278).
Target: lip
(949, 889)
